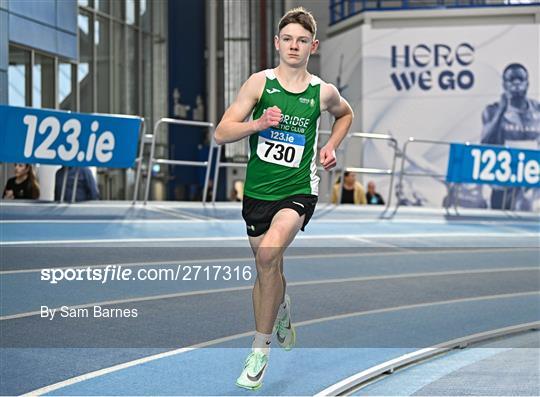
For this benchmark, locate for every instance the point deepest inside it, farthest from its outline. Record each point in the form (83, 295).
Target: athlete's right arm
(233, 125)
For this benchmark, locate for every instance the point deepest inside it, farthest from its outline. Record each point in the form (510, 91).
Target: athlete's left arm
(338, 107)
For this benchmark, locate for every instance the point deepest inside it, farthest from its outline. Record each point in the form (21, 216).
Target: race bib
(279, 147)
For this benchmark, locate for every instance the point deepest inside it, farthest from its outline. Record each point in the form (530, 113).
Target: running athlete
(513, 121)
(281, 185)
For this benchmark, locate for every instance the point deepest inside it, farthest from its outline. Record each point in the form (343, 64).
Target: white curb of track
(351, 383)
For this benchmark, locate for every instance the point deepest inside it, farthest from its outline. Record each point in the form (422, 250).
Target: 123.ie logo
(432, 66)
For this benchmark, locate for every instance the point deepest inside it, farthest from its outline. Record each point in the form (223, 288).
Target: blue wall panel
(30, 33)
(66, 15)
(3, 4)
(4, 52)
(66, 45)
(40, 10)
(3, 87)
(38, 36)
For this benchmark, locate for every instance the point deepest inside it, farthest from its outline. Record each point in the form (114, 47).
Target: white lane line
(118, 367)
(396, 252)
(291, 284)
(180, 214)
(301, 237)
(192, 218)
(381, 244)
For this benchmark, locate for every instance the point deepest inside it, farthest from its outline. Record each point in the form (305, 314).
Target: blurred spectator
(352, 193)
(237, 193)
(86, 184)
(23, 185)
(372, 196)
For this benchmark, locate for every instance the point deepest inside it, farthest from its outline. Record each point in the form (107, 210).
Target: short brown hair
(301, 16)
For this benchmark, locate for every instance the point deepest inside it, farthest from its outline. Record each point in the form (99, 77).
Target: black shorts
(258, 214)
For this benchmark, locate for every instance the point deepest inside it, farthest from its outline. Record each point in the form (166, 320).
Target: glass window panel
(132, 71)
(43, 82)
(119, 68)
(145, 12)
(159, 18)
(85, 69)
(18, 77)
(130, 12)
(102, 5)
(86, 3)
(66, 91)
(101, 39)
(147, 76)
(118, 9)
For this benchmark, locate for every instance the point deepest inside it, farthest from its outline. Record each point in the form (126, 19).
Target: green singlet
(282, 158)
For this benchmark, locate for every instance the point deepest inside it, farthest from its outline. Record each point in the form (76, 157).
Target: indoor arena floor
(365, 289)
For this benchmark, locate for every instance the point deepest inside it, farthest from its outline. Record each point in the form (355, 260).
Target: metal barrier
(404, 158)
(219, 164)
(64, 185)
(144, 138)
(376, 171)
(443, 176)
(152, 160)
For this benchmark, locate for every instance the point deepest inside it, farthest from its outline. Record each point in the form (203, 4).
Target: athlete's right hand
(270, 118)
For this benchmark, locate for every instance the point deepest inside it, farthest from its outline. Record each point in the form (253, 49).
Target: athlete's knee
(268, 258)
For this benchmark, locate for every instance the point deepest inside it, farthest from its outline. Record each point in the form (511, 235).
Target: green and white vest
(282, 159)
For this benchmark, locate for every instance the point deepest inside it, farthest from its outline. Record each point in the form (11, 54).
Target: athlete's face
(516, 82)
(295, 44)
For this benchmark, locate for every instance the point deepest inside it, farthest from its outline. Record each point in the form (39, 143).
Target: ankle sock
(262, 342)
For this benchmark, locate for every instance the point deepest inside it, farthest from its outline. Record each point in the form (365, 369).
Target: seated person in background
(23, 185)
(86, 184)
(352, 193)
(237, 193)
(372, 196)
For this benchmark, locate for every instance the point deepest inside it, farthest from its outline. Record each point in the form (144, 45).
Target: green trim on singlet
(300, 115)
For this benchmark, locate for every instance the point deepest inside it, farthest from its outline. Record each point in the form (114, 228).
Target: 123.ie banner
(494, 165)
(29, 135)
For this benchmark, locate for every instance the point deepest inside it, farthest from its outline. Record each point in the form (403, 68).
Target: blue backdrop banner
(29, 135)
(494, 165)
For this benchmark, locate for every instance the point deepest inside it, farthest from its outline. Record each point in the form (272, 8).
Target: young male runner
(281, 182)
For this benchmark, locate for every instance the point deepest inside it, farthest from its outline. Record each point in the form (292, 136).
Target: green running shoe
(254, 368)
(285, 332)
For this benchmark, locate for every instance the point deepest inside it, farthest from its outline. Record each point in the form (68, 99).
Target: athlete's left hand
(327, 157)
